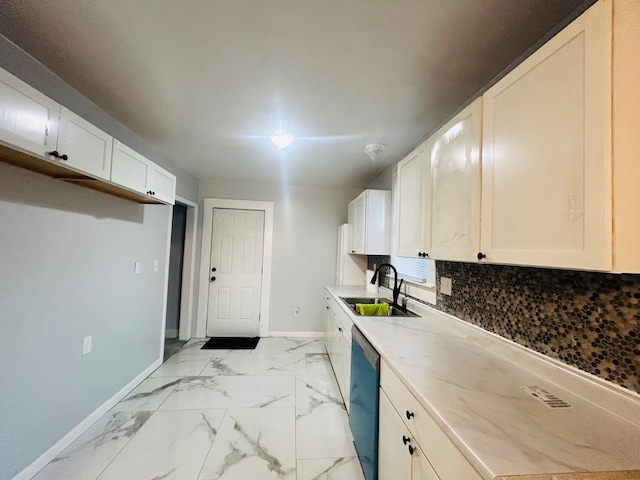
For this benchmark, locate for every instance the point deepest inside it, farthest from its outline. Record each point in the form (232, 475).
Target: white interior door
(235, 273)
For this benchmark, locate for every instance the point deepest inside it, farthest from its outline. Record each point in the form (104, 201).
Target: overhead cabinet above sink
(552, 167)
(439, 192)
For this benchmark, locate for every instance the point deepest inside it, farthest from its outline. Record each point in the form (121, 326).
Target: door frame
(205, 258)
(185, 324)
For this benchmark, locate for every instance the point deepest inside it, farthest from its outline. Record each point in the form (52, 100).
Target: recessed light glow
(281, 139)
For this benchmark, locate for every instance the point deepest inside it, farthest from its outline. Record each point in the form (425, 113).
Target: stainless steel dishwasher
(363, 414)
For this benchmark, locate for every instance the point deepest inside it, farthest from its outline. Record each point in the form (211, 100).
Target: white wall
(306, 221)
(67, 258)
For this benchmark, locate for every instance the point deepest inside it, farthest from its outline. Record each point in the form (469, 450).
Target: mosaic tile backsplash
(585, 319)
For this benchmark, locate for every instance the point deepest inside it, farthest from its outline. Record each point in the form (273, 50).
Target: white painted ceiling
(208, 81)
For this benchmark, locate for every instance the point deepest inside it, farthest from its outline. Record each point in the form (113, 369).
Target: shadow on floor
(171, 346)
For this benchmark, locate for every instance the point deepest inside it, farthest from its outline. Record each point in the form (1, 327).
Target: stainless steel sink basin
(353, 300)
(393, 311)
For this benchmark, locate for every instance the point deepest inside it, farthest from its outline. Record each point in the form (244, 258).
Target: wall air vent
(545, 396)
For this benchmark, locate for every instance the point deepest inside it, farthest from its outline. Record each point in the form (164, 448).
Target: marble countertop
(470, 382)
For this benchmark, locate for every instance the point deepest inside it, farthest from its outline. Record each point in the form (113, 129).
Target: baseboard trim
(84, 425)
(297, 334)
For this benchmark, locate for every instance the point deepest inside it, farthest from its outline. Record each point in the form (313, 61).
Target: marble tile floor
(270, 413)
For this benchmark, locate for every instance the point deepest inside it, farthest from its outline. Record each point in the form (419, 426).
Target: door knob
(213, 269)
(213, 279)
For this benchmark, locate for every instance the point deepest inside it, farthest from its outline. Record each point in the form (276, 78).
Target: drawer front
(343, 319)
(442, 454)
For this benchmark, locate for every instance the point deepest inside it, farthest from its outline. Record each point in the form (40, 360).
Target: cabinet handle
(481, 256)
(213, 269)
(54, 154)
(405, 440)
(339, 329)
(411, 450)
(213, 279)
(409, 414)
(327, 307)
(64, 157)
(423, 254)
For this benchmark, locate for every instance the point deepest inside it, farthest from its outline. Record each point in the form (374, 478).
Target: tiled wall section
(586, 319)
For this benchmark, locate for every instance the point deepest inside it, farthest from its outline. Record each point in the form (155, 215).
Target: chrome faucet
(396, 285)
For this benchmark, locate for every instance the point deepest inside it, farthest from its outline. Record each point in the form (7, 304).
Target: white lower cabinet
(338, 345)
(399, 457)
(401, 412)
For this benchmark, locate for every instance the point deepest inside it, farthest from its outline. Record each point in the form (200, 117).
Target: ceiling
(208, 81)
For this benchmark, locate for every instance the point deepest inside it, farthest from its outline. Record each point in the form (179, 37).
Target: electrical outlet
(86, 344)
(155, 265)
(445, 285)
(136, 268)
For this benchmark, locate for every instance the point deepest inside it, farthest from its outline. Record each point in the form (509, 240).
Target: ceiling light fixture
(281, 139)
(373, 150)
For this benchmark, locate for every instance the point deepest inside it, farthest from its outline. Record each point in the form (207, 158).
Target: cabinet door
(328, 328)
(412, 209)
(546, 180)
(421, 469)
(28, 119)
(343, 345)
(162, 184)
(455, 187)
(331, 338)
(394, 459)
(129, 168)
(87, 148)
(357, 223)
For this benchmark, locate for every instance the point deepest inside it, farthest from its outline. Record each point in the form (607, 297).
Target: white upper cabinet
(28, 119)
(455, 186)
(129, 168)
(132, 170)
(413, 209)
(83, 146)
(546, 181)
(41, 135)
(439, 192)
(356, 219)
(370, 220)
(162, 184)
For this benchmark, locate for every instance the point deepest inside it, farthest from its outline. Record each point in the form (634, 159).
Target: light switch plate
(445, 285)
(136, 268)
(155, 265)
(86, 344)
